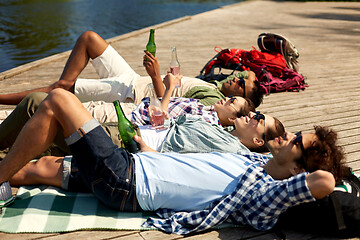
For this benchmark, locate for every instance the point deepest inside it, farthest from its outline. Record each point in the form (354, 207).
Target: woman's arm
(170, 82)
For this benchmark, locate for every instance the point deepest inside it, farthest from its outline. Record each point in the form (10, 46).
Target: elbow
(322, 183)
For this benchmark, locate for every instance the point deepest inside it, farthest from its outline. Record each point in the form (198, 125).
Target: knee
(56, 98)
(89, 37)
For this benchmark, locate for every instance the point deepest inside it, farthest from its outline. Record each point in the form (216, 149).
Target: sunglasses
(232, 99)
(257, 117)
(298, 140)
(241, 83)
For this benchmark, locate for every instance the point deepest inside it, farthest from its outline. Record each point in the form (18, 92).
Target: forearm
(158, 85)
(166, 98)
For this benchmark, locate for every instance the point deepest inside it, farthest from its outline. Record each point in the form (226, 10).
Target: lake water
(34, 29)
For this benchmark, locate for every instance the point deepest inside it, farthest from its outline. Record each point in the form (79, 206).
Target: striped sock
(5, 191)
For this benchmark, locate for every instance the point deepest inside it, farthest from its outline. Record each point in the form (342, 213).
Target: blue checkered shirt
(177, 106)
(258, 200)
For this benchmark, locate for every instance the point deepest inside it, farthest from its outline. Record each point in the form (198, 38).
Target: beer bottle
(150, 46)
(126, 130)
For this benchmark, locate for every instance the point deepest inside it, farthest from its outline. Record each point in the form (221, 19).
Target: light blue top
(190, 134)
(185, 181)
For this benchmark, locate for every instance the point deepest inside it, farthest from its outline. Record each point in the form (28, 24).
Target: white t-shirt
(153, 138)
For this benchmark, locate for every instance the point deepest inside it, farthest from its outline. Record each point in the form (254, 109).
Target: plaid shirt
(177, 106)
(258, 200)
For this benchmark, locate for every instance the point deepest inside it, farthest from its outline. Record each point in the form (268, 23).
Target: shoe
(6, 197)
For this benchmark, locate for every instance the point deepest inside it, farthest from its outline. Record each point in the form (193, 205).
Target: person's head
(255, 129)
(309, 152)
(244, 87)
(230, 108)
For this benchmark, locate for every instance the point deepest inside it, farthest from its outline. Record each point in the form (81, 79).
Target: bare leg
(59, 109)
(47, 170)
(89, 45)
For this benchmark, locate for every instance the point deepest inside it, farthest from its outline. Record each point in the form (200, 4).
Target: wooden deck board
(326, 34)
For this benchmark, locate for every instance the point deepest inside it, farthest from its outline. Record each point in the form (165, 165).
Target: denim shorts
(102, 168)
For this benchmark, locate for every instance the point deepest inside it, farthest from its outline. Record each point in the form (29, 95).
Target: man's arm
(321, 183)
(152, 67)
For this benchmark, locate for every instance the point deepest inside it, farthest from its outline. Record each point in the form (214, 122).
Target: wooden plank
(326, 35)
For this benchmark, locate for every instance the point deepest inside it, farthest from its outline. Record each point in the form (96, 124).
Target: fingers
(178, 77)
(139, 140)
(143, 146)
(149, 59)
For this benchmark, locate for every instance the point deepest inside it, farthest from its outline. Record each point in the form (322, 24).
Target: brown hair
(271, 133)
(248, 107)
(325, 154)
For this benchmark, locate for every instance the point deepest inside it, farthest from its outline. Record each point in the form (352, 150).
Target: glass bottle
(150, 46)
(174, 64)
(126, 130)
(156, 113)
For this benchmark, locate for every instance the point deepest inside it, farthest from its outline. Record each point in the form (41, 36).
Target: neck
(275, 170)
(246, 142)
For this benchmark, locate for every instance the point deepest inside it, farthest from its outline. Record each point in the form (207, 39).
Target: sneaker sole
(7, 202)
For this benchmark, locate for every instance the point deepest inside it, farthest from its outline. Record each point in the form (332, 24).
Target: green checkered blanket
(43, 209)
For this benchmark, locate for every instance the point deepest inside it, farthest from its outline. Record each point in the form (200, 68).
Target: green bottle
(150, 46)
(126, 130)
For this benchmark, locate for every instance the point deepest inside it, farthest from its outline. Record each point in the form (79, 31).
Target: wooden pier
(327, 35)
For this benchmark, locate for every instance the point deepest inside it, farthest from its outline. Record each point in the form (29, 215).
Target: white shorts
(117, 80)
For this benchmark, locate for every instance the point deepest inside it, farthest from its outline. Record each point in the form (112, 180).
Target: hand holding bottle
(142, 144)
(171, 81)
(151, 65)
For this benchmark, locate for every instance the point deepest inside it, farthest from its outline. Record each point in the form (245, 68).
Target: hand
(143, 146)
(171, 81)
(151, 65)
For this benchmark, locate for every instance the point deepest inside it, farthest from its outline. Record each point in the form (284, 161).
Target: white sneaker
(6, 197)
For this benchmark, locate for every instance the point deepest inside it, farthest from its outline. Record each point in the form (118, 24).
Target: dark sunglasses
(298, 140)
(232, 99)
(257, 117)
(241, 83)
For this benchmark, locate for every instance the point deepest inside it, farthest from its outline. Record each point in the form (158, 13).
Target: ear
(258, 141)
(296, 170)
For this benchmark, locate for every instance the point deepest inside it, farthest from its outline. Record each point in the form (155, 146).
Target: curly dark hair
(325, 154)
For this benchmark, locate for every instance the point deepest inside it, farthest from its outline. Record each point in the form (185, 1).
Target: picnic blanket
(44, 209)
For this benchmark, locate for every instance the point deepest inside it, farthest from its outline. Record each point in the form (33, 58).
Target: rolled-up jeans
(106, 170)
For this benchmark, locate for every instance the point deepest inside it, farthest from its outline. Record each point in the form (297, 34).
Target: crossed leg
(60, 109)
(89, 45)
